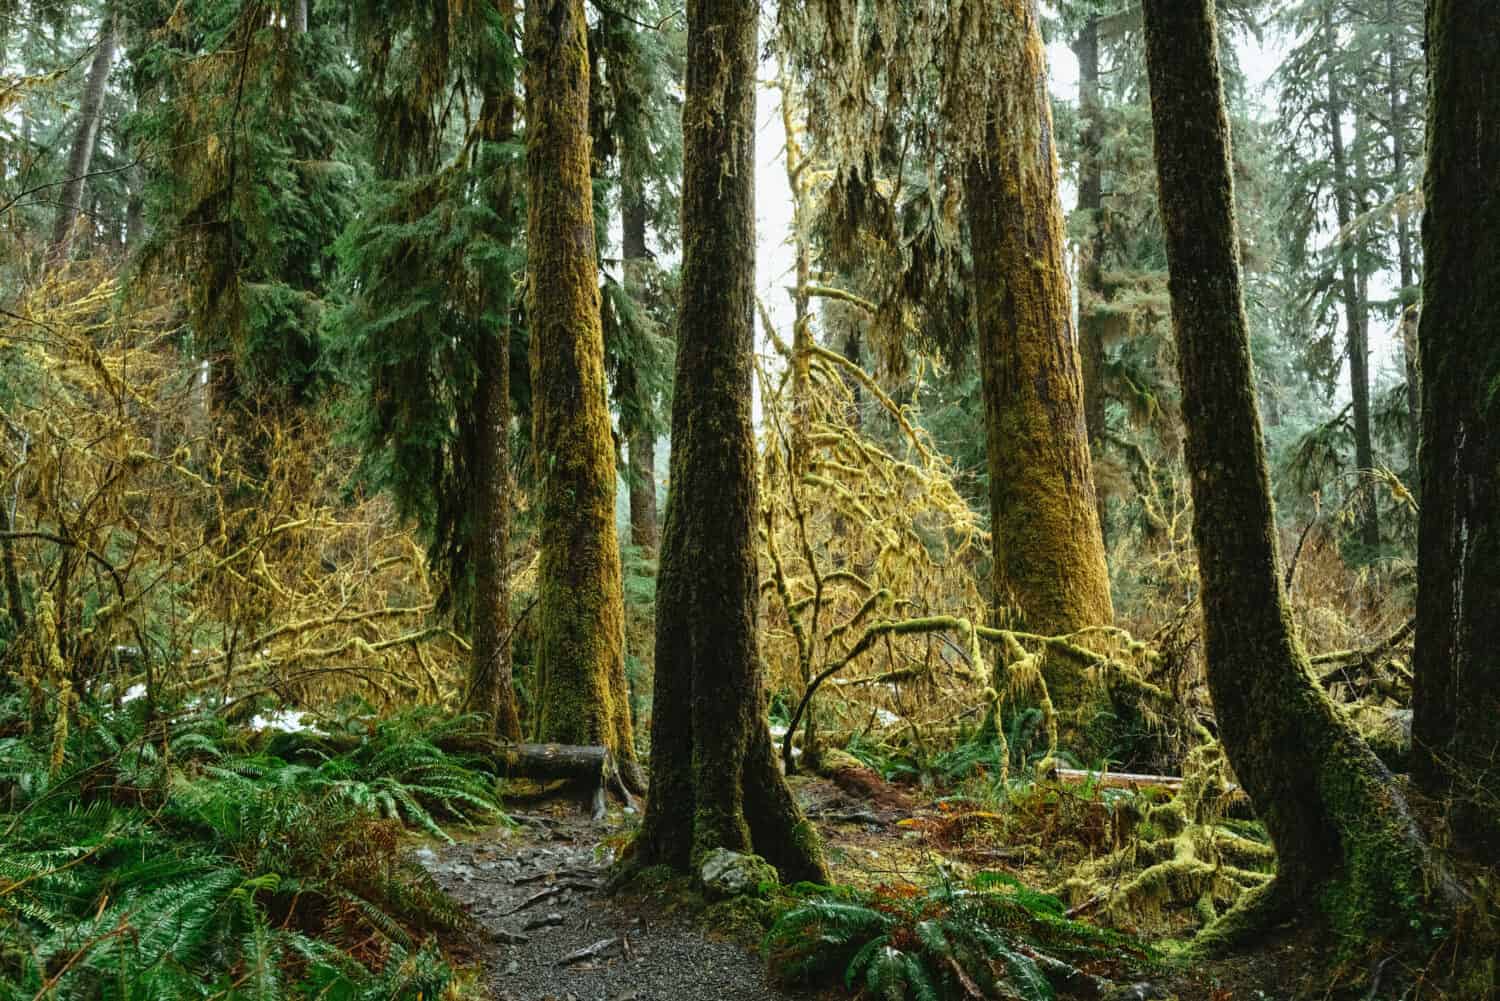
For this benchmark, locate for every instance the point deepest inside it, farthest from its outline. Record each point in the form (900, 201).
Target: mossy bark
(715, 783)
(1345, 840)
(1456, 697)
(491, 689)
(1050, 575)
(582, 697)
(1049, 556)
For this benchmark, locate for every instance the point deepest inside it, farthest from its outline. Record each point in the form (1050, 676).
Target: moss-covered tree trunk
(1345, 840)
(1049, 556)
(714, 780)
(1457, 692)
(582, 697)
(491, 690)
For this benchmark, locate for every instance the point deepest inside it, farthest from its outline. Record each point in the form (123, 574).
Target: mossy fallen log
(592, 769)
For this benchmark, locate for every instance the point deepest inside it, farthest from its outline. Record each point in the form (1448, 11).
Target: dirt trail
(552, 935)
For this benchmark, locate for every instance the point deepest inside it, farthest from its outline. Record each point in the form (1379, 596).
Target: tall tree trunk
(1456, 731)
(1404, 256)
(714, 780)
(640, 437)
(1091, 266)
(491, 689)
(1356, 311)
(1344, 837)
(299, 17)
(90, 117)
(580, 607)
(1049, 555)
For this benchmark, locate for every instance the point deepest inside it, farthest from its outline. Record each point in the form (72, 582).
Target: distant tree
(1344, 837)
(1456, 697)
(714, 778)
(580, 607)
(85, 136)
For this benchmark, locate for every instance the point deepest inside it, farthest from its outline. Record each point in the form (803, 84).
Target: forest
(640, 500)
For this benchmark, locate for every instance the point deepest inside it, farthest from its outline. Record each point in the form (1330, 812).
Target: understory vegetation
(155, 852)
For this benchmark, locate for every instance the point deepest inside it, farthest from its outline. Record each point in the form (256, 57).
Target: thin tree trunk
(1091, 267)
(1049, 555)
(1356, 313)
(715, 783)
(1344, 837)
(90, 117)
(491, 690)
(1404, 255)
(640, 437)
(299, 17)
(583, 697)
(1456, 697)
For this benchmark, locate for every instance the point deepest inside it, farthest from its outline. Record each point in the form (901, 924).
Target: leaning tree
(1345, 840)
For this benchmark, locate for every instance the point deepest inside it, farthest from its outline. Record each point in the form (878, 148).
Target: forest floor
(549, 931)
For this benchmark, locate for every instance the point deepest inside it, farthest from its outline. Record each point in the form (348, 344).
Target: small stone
(548, 920)
(512, 968)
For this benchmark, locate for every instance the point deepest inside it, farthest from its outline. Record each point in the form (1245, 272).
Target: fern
(211, 871)
(950, 942)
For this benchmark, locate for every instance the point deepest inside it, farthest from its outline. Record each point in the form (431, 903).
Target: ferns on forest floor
(170, 859)
(990, 938)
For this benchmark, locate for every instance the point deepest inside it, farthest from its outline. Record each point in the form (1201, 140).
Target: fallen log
(591, 768)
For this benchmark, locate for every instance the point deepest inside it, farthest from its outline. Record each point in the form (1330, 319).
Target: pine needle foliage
(176, 857)
(992, 937)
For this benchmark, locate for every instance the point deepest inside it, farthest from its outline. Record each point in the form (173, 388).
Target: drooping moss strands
(715, 783)
(582, 696)
(1346, 843)
(1456, 730)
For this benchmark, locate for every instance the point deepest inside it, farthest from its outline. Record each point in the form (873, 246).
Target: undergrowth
(170, 857)
(991, 937)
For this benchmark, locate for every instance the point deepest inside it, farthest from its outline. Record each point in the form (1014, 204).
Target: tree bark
(715, 783)
(640, 438)
(1456, 697)
(299, 17)
(1049, 555)
(582, 697)
(1091, 266)
(491, 690)
(1406, 264)
(1356, 310)
(1344, 837)
(90, 117)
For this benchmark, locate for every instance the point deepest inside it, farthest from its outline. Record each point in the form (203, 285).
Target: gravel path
(553, 936)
